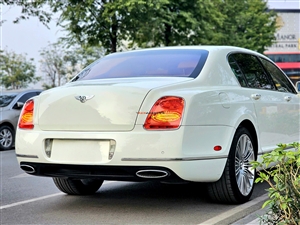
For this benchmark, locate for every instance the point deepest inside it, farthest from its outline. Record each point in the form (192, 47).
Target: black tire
(7, 138)
(77, 187)
(237, 182)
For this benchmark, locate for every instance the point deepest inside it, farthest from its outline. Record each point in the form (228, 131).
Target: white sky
(30, 36)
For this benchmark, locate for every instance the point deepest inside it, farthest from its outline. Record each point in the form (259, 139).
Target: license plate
(80, 151)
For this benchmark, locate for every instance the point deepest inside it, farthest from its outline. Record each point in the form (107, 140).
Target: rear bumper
(186, 153)
(123, 173)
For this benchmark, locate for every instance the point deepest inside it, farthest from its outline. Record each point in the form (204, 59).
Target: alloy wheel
(244, 172)
(6, 138)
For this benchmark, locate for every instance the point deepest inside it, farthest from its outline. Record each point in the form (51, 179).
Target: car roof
(199, 47)
(209, 48)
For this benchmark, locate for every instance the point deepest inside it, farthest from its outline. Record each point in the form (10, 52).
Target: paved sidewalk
(251, 219)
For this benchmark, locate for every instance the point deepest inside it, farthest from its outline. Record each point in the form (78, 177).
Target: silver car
(11, 103)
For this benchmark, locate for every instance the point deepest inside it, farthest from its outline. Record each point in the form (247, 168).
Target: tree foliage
(147, 23)
(247, 24)
(29, 8)
(93, 22)
(168, 23)
(16, 71)
(60, 63)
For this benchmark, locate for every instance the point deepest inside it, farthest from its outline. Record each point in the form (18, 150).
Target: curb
(224, 218)
(251, 219)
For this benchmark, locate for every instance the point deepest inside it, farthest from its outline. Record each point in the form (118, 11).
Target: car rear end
(120, 127)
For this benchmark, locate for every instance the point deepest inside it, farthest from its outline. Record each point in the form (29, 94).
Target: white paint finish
(276, 118)
(113, 107)
(166, 146)
(207, 120)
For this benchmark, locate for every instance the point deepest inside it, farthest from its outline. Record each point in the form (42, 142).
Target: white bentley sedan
(193, 113)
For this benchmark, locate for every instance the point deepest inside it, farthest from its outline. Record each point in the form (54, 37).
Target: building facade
(285, 52)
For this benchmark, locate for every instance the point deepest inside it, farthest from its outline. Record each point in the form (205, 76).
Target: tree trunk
(114, 34)
(168, 30)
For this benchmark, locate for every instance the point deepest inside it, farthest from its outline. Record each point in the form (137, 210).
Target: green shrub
(284, 181)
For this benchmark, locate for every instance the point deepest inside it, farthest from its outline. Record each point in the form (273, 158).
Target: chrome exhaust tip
(152, 174)
(28, 168)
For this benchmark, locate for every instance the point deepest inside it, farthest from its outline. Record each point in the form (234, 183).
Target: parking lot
(28, 199)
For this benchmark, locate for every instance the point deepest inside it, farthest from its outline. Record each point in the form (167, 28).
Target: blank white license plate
(80, 151)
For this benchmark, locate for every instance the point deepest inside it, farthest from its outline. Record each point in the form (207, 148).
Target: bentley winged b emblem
(84, 98)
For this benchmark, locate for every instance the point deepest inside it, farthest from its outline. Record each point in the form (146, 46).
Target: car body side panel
(276, 118)
(203, 107)
(10, 116)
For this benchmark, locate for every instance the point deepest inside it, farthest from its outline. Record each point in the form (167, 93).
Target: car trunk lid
(106, 105)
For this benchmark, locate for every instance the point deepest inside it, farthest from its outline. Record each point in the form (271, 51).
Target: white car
(193, 113)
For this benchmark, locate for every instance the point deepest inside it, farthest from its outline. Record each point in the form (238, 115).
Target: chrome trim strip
(286, 149)
(174, 159)
(27, 156)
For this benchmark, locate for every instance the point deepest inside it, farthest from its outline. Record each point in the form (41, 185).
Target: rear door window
(252, 70)
(281, 81)
(237, 71)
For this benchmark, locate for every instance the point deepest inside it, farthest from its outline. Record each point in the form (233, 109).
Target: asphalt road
(28, 199)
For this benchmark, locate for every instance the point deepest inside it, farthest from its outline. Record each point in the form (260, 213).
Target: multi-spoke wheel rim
(244, 172)
(6, 138)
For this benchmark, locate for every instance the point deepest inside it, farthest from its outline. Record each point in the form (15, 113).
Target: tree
(92, 22)
(60, 63)
(16, 71)
(147, 23)
(29, 8)
(52, 65)
(167, 23)
(248, 24)
(243, 23)
(141, 22)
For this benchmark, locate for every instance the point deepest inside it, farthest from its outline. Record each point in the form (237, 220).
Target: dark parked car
(11, 103)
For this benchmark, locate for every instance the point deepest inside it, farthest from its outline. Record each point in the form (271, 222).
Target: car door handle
(288, 98)
(255, 96)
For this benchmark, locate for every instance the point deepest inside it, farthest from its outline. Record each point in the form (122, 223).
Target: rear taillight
(166, 113)
(26, 116)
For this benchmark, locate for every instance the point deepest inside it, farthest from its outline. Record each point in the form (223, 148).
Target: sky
(30, 36)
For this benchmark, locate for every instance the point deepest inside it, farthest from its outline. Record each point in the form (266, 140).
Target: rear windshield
(5, 100)
(147, 63)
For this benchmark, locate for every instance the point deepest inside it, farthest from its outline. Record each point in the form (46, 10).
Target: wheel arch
(9, 125)
(251, 128)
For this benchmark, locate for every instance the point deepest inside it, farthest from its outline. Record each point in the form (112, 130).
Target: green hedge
(284, 181)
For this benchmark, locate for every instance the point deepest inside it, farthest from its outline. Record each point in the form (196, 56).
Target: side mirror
(298, 86)
(18, 105)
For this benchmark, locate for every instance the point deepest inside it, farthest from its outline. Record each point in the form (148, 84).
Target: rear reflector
(26, 116)
(218, 148)
(166, 113)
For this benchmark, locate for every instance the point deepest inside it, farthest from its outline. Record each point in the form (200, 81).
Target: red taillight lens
(26, 116)
(166, 113)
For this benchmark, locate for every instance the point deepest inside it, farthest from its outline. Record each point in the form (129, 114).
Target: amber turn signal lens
(26, 116)
(166, 113)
